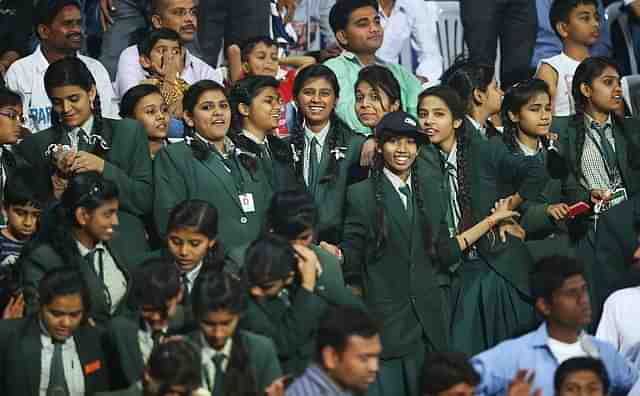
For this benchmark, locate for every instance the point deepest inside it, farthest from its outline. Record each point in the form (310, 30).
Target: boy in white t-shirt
(577, 23)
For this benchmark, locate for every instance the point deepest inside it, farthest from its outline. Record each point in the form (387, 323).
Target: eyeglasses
(13, 116)
(183, 12)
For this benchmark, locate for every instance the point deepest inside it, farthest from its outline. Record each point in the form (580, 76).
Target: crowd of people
(249, 197)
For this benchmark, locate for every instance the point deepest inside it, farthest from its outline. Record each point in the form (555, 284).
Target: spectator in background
(548, 43)
(356, 24)
(16, 22)
(227, 22)
(58, 25)
(448, 374)
(511, 21)
(562, 297)
(180, 16)
(347, 354)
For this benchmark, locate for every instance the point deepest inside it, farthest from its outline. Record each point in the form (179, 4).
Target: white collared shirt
(87, 127)
(594, 167)
(208, 367)
(527, 151)
(192, 276)
(397, 183)
(145, 340)
(413, 20)
(130, 72)
(26, 76)
(70, 361)
(321, 137)
(114, 279)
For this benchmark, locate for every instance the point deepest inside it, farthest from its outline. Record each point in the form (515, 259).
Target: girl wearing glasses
(11, 122)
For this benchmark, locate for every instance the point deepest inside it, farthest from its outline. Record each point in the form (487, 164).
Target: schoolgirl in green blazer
(82, 141)
(77, 232)
(489, 266)
(336, 163)
(208, 166)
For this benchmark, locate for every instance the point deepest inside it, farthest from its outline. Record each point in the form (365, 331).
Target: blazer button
(244, 220)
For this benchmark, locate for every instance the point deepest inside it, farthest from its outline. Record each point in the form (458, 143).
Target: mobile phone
(578, 209)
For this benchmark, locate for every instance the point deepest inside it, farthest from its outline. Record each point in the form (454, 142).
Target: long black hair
(201, 217)
(215, 292)
(455, 104)
(291, 213)
(133, 96)
(333, 138)
(467, 75)
(514, 100)
(73, 71)
(85, 190)
(586, 73)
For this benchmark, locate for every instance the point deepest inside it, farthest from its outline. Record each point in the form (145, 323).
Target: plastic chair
(614, 13)
(449, 29)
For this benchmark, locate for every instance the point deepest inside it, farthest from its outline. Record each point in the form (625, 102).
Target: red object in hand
(578, 209)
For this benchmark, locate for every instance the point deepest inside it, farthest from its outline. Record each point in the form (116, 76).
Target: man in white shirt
(177, 15)
(58, 25)
(54, 350)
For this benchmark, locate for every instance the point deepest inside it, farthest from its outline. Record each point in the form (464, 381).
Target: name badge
(617, 196)
(246, 201)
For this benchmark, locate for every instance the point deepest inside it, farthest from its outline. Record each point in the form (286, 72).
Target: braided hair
(72, 71)
(318, 71)
(381, 229)
(586, 73)
(467, 75)
(457, 108)
(515, 99)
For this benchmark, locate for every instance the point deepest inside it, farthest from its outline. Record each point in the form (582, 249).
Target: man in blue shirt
(562, 298)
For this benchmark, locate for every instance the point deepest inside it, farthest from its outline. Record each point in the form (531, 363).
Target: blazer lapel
(120, 264)
(90, 359)
(32, 347)
(395, 208)
(621, 152)
(225, 178)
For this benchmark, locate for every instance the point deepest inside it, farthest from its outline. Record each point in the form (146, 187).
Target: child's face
(163, 52)
(188, 247)
(73, 104)
(22, 221)
(399, 154)
(218, 327)
(372, 104)
(264, 111)
(583, 26)
(436, 120)
(154, 115)
(605, 92)
(363, 33)
(534, 118)
(584, 382)
(211, 116)
(317, 100)
(10, 123)
(493, 98)
(262, 61)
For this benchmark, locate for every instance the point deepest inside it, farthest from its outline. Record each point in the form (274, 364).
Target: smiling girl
(208, 166)
(327, 152)
(81, 141)
(145, 103)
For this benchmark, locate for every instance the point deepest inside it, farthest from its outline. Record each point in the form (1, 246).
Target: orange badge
(92, 367)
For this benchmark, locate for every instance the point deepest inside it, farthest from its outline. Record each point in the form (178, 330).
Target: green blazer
(401, 282)
(127, 164)
(494, 174)
(262, 356)
(331, 193)
(179, 176)
(626, 141)
(133, 390)
(43, 258)
(20, 357)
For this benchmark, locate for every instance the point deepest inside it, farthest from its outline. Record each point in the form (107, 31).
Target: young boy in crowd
(582, 375)
(260, 56)
(577, 23)
(21, 209)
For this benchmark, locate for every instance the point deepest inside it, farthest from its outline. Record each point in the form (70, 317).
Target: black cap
(403, 124)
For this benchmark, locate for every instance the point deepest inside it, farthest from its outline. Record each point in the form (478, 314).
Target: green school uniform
(133, 390)
(490, 283)
(43, 258)
(402, 284)
(179, 176)
(330, 192)
(127, 164)
(261, 356)
(21, 355)
(291, 320)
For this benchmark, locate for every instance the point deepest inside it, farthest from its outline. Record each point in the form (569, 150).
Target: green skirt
(486, 308)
